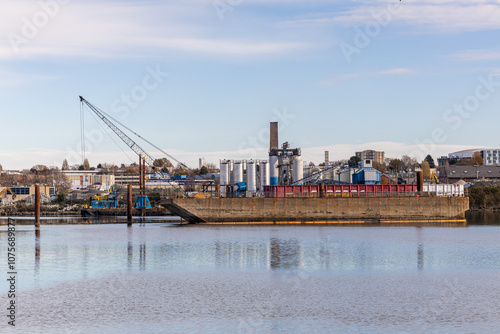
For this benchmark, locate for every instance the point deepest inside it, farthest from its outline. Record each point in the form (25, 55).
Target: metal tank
(264, 175)
(224, 177)
(298, 169)
(238, 172)
(273, 170)
(251, 177)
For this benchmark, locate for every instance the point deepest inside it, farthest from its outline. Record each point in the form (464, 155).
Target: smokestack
(274, 144)
(327, 157)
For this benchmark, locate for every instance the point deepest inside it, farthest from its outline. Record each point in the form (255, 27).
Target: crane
(147, 158)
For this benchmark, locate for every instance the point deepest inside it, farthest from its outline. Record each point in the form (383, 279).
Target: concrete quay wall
(318, 209)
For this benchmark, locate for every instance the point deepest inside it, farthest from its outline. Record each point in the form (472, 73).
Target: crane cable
(106, 132)
(82, 133)
(147, 141)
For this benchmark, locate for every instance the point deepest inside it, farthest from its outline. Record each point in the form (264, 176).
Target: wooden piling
(420, 181)
(37, 205)
(129, 205)
(322, 190)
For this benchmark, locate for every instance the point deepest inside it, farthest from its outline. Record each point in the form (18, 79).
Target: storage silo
(224, 177)
(298, 169)
(251, 177)
(273, 170)
(264, 175)
(238, 172)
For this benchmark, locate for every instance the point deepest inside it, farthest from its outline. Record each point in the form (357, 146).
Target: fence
(348, 190)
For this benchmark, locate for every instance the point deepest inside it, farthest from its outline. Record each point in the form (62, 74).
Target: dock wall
(318, 209)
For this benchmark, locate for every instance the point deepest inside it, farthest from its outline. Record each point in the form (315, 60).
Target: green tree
(430, 161)
(203, 170)
(99, 165)
(65, 165)
(61, 197)
(354, 161)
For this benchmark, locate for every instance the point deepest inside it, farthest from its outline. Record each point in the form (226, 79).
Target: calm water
(163, 277)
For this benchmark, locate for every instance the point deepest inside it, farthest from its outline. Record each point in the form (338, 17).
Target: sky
(203, 78)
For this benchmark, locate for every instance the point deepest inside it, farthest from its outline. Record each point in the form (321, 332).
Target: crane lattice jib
(130, 143)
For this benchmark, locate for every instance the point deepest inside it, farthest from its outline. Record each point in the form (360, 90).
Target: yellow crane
(435, 178)
(7, 189)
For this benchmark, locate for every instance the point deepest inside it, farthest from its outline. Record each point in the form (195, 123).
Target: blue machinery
(111, 202)
(105, 202)
(142, 201)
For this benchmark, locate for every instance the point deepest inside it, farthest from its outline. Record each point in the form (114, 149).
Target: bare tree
(409, 163)
(60, 181)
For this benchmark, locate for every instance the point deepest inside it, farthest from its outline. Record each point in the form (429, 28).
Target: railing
(348, 190)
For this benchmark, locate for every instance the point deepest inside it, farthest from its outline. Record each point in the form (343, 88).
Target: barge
(328, 210)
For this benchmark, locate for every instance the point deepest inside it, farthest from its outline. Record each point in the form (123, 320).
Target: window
(21, 191)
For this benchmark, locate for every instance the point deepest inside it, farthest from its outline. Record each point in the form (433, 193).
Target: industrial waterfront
(171, 278)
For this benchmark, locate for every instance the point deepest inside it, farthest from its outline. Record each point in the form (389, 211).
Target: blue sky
(409, 77)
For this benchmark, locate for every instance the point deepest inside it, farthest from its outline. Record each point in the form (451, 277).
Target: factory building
(367, 174)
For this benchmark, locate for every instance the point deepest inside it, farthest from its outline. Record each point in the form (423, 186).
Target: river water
(163, 277)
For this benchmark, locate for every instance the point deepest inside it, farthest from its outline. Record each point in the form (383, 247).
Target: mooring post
(143, 186)
(37, 205)
(321, 190)
(129, 205)
(420, 181)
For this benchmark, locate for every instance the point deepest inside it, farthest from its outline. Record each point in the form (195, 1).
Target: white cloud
(14, 160)
(118, 29)
(477, 55)
(337, 78)
(428, 16)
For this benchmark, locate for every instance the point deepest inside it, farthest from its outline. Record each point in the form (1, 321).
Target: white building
(89, 179)
(491, 157)
(202, 163)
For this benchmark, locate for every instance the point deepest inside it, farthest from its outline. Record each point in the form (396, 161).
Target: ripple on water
(266, 302)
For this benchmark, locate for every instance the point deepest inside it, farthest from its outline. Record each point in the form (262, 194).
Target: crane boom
(126, 139)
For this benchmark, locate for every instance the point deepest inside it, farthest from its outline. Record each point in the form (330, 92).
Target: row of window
(26, 190)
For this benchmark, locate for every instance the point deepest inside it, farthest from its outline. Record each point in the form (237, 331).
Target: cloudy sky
(203, 78)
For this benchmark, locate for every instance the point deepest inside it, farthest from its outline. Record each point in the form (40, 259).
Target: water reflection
(142, 257)
(420, 257)
(420, 249)
(90, 251)
(285, 254)
(483, 218)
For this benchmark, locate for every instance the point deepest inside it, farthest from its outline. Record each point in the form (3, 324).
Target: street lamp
(477, 171)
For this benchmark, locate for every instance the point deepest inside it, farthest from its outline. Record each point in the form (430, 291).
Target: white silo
(264, 175)
(224, 177)
(251, 177)
(273, 170)
(238, 172)
(298, 168)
